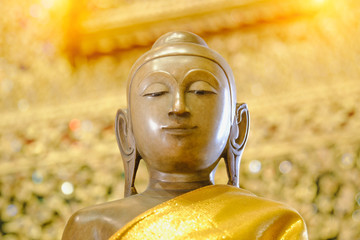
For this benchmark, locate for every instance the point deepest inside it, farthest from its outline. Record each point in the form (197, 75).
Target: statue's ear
(127, 146)
(242, 124)
(237, 140)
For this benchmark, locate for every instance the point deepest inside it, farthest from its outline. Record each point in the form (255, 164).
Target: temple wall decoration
(63, 73)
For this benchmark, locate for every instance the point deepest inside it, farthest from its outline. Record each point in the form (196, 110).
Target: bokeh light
(356, 215)
(37, 177)
(11, 210)
(357, 198)
(67, 188)
(255, 166)
(74, 124)
(285, 167)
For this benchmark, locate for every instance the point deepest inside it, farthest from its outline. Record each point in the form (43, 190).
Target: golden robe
(217, 212)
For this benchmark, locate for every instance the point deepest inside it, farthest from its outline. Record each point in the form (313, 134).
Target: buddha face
(180, 112)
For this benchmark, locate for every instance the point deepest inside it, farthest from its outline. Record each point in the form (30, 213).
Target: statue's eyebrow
(202, 75)
(155, 77)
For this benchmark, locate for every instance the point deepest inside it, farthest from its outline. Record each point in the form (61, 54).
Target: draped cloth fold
(217, 212)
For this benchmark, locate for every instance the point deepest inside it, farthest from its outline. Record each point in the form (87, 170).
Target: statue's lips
(179, 130)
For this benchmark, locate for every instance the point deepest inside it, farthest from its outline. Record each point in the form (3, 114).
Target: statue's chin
(181, 154)
(182, 163)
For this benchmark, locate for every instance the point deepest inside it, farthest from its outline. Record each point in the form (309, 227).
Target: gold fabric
(216, 212)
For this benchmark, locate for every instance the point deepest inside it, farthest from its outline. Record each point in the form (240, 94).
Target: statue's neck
(174, 184)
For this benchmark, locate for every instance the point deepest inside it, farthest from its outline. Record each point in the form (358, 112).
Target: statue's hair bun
(179, 37)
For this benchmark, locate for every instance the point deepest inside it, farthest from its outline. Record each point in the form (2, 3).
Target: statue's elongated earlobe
(127, 146)
(237, 140)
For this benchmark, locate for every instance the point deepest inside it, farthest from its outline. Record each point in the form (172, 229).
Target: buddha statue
(182, 119)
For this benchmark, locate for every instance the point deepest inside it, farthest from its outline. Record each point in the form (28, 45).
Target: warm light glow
(319, 1)
(295, 65)
(48, 3)
(36, 11)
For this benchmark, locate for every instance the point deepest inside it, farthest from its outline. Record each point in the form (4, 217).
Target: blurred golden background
(63, 72)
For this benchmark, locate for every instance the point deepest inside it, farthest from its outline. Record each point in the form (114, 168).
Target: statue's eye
(155, 90)
(201, 88)
(201, 92)
(155, 94)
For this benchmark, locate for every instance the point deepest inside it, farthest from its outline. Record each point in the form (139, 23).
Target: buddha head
(182, 114)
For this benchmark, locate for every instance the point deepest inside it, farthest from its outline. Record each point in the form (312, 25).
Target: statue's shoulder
(99, 221)
(102, 220)
(261, 202)
(275, 218)
(264, 217)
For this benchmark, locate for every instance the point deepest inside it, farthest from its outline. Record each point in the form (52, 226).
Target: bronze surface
(182, 118)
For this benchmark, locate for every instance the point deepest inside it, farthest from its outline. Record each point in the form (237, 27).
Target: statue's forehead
(179, 66)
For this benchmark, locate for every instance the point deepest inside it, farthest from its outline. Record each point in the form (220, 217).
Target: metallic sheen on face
(183, 112)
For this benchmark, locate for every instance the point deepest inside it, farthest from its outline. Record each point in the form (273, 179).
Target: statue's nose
(179, 106)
